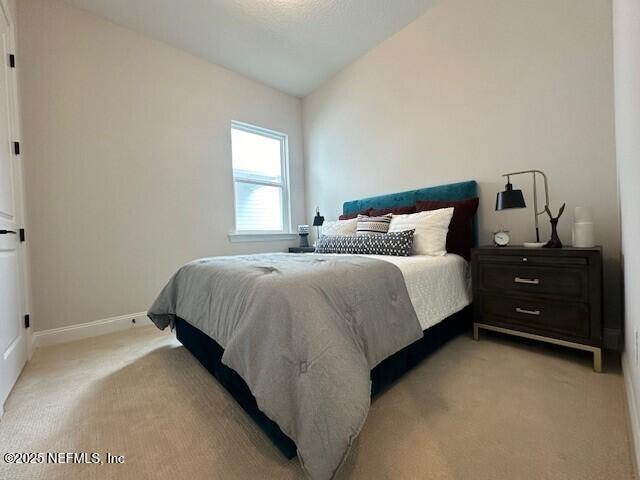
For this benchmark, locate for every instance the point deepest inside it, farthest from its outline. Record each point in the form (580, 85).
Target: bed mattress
(437, 286)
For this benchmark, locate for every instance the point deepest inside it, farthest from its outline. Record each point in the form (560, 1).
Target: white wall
(471, 90)
(127, 155)
(626, 25)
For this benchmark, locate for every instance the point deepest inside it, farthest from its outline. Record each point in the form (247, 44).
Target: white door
(13, 351)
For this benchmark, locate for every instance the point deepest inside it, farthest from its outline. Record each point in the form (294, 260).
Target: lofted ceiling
(291, 45)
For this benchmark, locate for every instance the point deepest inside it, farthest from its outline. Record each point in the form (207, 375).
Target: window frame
(283, 138)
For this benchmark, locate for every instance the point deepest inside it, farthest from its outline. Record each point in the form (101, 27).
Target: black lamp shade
(318, 220)
(510, 198)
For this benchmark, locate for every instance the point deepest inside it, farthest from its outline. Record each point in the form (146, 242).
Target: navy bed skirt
(209, 353)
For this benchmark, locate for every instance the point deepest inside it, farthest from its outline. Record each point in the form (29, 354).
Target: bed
(437, 291)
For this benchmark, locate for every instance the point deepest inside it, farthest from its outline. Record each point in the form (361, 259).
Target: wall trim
(235, 237)
(70, 333)
(634, 419)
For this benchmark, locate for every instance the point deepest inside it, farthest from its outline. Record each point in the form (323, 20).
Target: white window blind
(260, 159)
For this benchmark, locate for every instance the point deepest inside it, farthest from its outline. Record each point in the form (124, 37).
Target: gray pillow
(397, 243)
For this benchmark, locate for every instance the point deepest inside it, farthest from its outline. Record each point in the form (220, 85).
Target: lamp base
(304, 240)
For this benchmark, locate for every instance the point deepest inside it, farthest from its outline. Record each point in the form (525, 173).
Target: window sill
(261, 237)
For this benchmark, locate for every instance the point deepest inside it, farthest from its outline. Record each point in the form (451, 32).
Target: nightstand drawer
(532, 257)
(563, 318)
(566, 282)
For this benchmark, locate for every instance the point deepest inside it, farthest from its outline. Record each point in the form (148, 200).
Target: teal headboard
(452, 191)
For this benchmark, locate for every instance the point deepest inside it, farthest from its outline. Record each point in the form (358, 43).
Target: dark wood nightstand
(302, 249)
(547, 294)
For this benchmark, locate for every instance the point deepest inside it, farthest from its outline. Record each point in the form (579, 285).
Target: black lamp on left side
(510, 198)
(318, 220)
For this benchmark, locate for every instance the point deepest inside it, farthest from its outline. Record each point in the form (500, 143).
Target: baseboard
(634, 420)
(31, 343)
(90, 329)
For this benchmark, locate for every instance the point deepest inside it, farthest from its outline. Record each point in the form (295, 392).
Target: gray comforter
(303, 331)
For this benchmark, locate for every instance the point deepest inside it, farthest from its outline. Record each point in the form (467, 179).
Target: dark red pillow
(349, 216)
(378, 212)
(460, 236)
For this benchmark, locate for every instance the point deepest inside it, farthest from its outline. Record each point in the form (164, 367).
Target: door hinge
(21, 235)
(12, 60)
(16, 148)
(27, 321)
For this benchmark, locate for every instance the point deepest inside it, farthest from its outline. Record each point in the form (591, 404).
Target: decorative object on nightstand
(501, 238)
(555, 240)
(511, 198)
(582, 233)
(303, 231)
(551, 295)
(302, 249)
(318, 220)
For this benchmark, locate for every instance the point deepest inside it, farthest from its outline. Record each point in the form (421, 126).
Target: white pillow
(431, 227)
(340, 227)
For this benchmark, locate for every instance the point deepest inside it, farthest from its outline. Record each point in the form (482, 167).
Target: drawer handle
(528, 281)
(528, 312)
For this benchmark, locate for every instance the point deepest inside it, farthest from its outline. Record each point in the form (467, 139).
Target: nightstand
(547, 294)
(302, 249)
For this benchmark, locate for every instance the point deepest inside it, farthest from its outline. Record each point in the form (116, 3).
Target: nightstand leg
(597, 360)
(476, 335)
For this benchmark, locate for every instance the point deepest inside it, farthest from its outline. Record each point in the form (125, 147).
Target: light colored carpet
(494, 409)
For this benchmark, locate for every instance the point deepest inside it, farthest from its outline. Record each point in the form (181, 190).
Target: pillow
(373, 225)
(398, 244)
(340, 227)
(376, 212)
(430, 227)
(460, 236)
(349, 216)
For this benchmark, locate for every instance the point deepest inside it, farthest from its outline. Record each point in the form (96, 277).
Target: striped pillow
(373, 225)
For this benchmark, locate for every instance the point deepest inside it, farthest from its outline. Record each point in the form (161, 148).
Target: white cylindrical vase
(583, 235)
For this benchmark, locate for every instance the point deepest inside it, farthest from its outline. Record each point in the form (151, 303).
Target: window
(260, 179)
